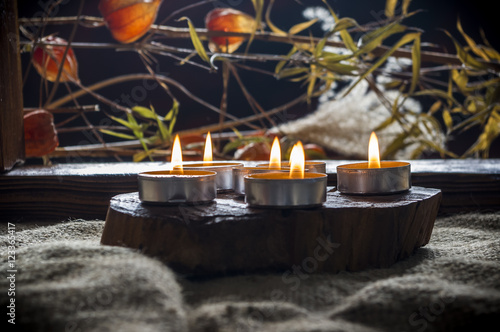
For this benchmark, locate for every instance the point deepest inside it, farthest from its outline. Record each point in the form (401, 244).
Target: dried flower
(40, 135)
(48, 58)
(229, 20)
(129, 20)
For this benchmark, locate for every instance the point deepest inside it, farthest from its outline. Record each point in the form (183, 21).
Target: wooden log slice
(348, 233)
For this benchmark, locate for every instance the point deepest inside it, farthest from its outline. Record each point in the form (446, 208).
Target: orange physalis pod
(48, 58)
(229, 20)
(40, 135)
(129, 20)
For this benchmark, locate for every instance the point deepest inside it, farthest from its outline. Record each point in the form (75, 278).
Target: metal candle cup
(176, 187)
(224, 170)
(311, 166)
(280, 191)
(358, 179)
(239, 174)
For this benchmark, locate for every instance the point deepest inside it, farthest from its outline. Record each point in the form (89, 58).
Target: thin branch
(174, 32)
(84, 108)
(131, 77)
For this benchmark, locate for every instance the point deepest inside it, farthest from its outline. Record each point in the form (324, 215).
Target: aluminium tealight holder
(224, 170)
(239, 174)
(279, 190)
(358, 179)
(176, 187)
(311, 166)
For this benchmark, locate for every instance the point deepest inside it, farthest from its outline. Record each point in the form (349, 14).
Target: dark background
(97, 65)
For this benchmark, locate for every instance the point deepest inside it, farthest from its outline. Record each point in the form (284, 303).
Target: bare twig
(131, 77)
(84, 108)
(174, 32)
(66, 50)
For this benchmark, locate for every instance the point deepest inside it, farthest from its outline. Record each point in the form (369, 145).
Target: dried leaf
(435, 107)
(344, 23)
(198, 46)
(374, 39)
(406, 5)
(472, 44)
(344, 34)
(416, 60)
(448, 121)
(288, 72)
(301, 26)
(390, 6)
(404, 40)
(48, 58)
(270, 24)
(465, 57)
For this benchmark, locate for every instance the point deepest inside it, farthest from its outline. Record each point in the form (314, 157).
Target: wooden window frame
(11, 98)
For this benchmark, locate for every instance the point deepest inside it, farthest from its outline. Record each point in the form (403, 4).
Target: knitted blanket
(62, 279)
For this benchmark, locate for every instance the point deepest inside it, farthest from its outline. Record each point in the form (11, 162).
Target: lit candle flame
(208, 155)
(275, 159)
(373, 152)
(297, 161)
(177, 155)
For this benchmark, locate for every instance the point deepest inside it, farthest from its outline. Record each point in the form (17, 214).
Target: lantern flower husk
(228, 20)
(129, 20)
(48, 58)
(40, 135)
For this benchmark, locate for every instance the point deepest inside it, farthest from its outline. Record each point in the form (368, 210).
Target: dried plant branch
(132, 77)
(84, 108)
(174, 32)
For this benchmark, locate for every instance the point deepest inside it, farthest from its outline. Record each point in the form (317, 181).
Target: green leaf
(139, 156)
(147, 113)
(198, 46)
(175, 109)
(125, 123)
(116, 134)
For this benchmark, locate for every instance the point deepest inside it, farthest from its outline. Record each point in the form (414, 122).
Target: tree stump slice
(349, 233)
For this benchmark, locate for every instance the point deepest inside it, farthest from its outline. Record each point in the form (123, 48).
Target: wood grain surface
(84, 190)
(347, 233)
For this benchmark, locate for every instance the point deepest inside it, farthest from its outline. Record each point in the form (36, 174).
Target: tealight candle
(177, 186)
(374, 177)
(276, 163)
(239, 173)
(293, 189)
(224, 170)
